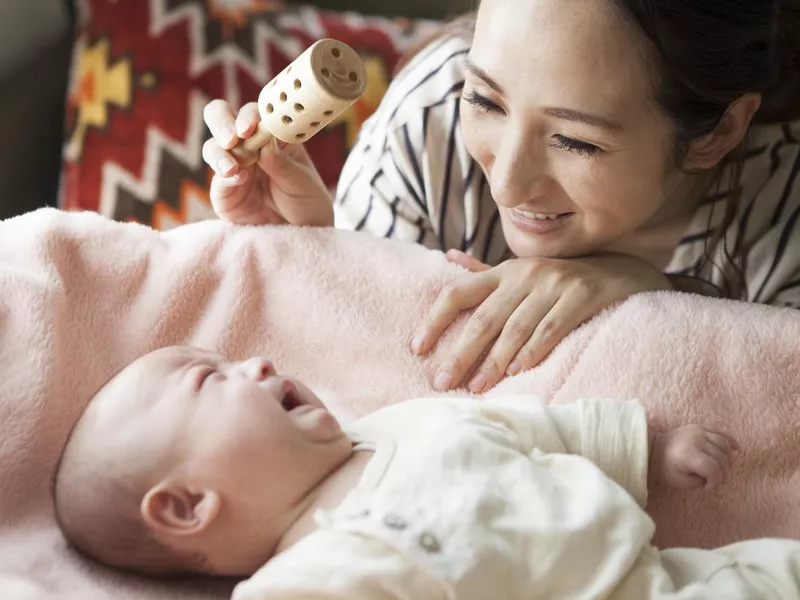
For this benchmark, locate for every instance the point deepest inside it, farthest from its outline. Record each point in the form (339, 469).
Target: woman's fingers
(229, 197)
(219, 159)
(462, 294)
(233, 202)
(481, 329)
(224, 187)
(247, 120)
(220, 119)
(227, 129)
(566, 315)
(470, 263)
(517, 331)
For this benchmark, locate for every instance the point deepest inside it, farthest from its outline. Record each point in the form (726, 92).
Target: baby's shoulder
(419, 410)
(447, 421)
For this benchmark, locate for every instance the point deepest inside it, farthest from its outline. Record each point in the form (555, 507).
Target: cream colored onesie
(509, 499)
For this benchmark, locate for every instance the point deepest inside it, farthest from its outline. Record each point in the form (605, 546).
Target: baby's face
(211, 411)
(259, 441)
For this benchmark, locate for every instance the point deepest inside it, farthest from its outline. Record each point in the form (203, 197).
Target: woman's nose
(518, 174)
(259, 368)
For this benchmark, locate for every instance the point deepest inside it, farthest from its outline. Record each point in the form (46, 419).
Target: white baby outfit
(509, 499)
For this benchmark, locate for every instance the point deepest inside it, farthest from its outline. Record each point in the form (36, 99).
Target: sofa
(36, 41)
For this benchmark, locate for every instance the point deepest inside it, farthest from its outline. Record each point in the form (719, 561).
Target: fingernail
(416, 343)
(227, 135)
(513, 368)
(225, 165)
(442, 381)
(478, 383)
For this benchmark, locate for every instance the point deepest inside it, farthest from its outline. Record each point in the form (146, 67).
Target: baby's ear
(170, 509)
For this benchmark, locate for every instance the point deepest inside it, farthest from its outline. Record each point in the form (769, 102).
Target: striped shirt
(410, 177)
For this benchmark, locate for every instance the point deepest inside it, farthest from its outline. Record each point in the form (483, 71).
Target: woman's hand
(282, 187)
(525, 308)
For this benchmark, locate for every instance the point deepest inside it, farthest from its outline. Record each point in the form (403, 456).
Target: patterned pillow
(143, 71)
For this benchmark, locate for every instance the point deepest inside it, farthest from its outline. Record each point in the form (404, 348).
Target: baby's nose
(259, 368)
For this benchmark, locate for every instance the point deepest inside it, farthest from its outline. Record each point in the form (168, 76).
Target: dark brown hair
(707, 54)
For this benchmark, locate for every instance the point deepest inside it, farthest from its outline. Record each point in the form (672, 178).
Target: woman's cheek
(477, 138)
(583, 180)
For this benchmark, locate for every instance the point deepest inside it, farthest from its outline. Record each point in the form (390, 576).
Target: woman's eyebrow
(559, 113)
(480, 73)
(582, 117)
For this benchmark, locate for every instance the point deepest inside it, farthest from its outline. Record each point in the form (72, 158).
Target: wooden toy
(306, 96)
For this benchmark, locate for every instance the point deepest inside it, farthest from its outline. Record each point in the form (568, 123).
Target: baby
(187, 463)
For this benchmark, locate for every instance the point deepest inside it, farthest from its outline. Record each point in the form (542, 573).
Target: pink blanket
(81, 296)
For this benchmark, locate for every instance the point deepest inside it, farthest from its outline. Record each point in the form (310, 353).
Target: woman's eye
(578, 147)
(480, 102)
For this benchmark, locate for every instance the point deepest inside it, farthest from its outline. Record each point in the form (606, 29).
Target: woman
(569, 155)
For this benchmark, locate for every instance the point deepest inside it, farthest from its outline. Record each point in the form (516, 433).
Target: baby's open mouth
(291, 398)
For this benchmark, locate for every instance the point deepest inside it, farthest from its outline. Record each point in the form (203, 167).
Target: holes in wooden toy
(336, 53)
(283, 97)
(325, 72)
(299, 107)
(328, 113)
(270, 109)
(287, 120)
(300, 136)
(298, 84)
(315, 124)
(353, 76)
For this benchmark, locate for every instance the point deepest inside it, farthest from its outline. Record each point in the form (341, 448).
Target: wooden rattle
(307, 95)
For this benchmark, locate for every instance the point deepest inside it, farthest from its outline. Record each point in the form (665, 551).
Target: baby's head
(186, 463)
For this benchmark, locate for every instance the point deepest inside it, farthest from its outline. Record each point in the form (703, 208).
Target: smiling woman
(573, 153)
(589, 131)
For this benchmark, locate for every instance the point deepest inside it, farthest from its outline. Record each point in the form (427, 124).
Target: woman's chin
(526, 246)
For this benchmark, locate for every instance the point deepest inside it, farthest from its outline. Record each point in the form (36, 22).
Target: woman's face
(558, 110)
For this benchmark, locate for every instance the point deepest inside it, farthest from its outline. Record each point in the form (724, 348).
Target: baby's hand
(692, 457)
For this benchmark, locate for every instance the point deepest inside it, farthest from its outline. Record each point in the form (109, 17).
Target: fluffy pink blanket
(82, 296)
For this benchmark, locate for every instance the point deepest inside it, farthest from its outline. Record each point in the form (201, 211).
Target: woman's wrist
(318, 212)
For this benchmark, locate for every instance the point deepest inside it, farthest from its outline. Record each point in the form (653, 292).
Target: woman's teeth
(539, 216)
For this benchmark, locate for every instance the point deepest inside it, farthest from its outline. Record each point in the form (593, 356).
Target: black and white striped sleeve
(789, 293)
(773, 257)
(391, 184)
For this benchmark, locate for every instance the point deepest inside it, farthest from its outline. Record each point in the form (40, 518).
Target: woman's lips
(538, 223)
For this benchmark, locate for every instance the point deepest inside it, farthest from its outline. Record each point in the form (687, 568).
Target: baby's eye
(205, 373)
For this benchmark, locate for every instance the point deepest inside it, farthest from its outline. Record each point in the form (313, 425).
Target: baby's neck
(327, 495)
